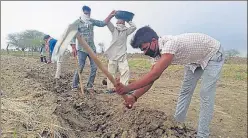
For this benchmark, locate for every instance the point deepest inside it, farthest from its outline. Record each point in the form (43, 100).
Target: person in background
(42, 53)
(117, 52)
(50, 42)
(86, 29)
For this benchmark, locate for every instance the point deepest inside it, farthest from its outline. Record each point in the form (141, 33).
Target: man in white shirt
(201, 55)
(117, 52)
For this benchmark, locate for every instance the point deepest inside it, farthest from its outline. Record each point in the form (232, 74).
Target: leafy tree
(28, 39)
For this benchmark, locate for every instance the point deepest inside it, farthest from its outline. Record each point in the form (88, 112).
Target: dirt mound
(96, 118)
(57, 111)
(103, 116)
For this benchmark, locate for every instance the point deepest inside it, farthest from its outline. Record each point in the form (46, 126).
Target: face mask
(85, 17)
(120, 25)
(152, 53)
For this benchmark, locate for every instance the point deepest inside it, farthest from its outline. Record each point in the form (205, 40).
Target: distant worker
(42, 54)
(51, 42)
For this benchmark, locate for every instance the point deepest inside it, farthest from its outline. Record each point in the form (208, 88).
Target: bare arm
(73, 46)
(153, 75)
(131, 99)
(139, 92)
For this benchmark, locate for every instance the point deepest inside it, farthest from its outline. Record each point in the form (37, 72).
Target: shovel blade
(63, 42)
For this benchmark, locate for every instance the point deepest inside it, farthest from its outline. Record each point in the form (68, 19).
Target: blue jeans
(210, 76)
(93, 68)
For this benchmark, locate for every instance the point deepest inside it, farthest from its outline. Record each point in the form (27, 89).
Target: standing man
(7, 48)
(117, 52)
(85, 28)
(201, 55)
(51, 42)
(42, 53)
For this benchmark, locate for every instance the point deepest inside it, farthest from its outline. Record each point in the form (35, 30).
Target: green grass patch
(235, 71)
(229, 71)
(14, 133)
(139, 63)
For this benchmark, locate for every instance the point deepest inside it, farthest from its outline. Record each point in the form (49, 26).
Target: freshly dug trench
(103, 116)
(96, 118)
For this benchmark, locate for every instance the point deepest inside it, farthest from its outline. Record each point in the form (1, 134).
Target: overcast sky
(224, 20)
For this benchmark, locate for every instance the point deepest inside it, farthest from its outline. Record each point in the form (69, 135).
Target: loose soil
(34, 104)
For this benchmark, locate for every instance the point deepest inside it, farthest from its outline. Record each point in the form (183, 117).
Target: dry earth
(32, 105)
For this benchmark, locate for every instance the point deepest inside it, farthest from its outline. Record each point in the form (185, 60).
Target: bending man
(201, 55)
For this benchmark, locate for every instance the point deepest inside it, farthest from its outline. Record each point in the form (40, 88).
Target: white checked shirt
(189, 49)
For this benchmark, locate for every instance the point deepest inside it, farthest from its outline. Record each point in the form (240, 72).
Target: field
(34, 105)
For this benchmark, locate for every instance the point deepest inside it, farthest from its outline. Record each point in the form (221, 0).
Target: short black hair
(143, 35)
(86, 8)
(46, 37)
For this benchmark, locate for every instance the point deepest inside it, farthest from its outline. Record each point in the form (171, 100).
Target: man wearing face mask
(201, 55)
(85, 28)
(117, 52)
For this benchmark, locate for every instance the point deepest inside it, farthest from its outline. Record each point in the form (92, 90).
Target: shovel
(98, 62)
(60, 47)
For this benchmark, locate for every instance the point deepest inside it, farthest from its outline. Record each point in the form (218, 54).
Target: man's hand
(74, 51)
(110, 16)
(121, 88)
(113, 13)
(129, 101)
(47, 48)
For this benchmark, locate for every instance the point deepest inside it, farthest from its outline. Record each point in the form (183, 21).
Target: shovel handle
(97, 61)
(79, 74)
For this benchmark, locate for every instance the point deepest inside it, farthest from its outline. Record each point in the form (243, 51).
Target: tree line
(30, 40)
